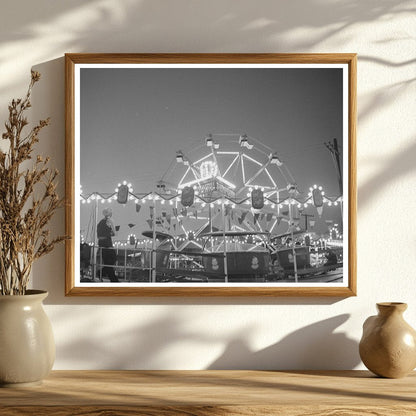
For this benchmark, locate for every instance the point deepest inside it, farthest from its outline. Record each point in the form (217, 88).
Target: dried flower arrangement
(28, 199)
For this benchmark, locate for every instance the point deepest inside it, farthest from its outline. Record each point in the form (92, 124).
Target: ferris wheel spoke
(183, 177)
(231, 164)
(202, 158)
(256, 175)
(270, 177)
(252, 159)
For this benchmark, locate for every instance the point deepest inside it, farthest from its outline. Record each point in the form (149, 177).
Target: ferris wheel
(231, 182)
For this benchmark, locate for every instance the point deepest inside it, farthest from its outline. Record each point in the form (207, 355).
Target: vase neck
(390, 308)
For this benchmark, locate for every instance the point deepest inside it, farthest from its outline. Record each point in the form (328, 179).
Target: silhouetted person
(105, 232)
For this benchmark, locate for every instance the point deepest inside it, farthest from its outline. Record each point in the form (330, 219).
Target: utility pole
(333, 149)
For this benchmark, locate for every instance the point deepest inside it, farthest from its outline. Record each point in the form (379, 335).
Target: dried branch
(24, 216)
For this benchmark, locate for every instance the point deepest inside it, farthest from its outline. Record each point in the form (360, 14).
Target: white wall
(200, 333)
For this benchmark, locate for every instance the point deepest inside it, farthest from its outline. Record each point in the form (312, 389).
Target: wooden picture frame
(156, 99)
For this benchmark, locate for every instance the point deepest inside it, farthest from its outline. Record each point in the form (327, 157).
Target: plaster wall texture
(221, 333)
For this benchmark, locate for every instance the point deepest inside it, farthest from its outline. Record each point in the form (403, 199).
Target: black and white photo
(212, 175)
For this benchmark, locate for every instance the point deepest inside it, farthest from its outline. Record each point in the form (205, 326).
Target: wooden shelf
(203, 393)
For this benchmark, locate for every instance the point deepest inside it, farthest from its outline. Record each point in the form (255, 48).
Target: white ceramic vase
(27, 346)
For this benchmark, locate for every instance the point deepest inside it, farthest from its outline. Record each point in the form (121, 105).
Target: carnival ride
(228, 210)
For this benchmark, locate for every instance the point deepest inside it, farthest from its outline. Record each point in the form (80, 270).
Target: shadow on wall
(160, 340)
(141, 347)
(313, 347)
(390, 170)
(142, 26)
(48, 100)
(132, 17)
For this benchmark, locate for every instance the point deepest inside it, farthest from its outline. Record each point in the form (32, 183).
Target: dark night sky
(134, 120)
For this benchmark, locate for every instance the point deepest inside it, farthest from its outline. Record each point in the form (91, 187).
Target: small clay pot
(388, 345)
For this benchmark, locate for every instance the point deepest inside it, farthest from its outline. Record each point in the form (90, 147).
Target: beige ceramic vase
(27, 347)
(388, 345)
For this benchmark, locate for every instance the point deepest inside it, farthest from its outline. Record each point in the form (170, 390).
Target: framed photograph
(211, 174)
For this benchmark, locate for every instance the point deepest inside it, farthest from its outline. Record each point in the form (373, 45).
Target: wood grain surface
(204, 393)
